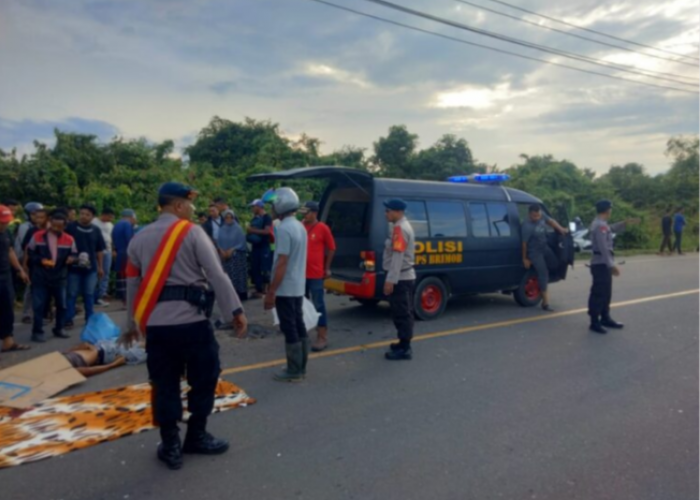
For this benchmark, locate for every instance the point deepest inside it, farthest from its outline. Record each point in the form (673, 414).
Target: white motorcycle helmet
(284, 200)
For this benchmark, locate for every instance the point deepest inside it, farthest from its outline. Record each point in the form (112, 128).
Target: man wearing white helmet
(288, 283)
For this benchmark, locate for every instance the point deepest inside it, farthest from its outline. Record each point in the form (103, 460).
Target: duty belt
(197, 296)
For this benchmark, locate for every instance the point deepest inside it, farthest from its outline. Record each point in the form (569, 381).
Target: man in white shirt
(105, 223)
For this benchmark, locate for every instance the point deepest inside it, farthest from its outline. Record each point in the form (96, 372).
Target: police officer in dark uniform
(603, 268)
(171, 268)
(399, 284)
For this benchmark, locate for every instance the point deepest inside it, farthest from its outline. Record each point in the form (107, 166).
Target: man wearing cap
(261, 255)
(603, 268)
(50, 252)
(213, 223)
(320, 252)
(122, 234)
(172, 266)
(8, 261)
(399, 284)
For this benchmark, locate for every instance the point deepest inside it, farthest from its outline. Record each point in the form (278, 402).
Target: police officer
(603, 268)
(398, 263)
(171, 263)
(536, 251)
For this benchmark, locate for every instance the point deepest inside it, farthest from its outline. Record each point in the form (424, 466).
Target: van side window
(480, 220)
(447, 219)
(499, 220)
(347, 218)
(415, 213)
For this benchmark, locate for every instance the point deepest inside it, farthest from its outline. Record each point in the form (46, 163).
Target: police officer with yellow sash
(173, 273)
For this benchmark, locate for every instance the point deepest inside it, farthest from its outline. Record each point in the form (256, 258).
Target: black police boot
(597, 328)
(170, 449)
(305, 349)
(295, 361)
(199, 441)
(611, 323)
(402, 351)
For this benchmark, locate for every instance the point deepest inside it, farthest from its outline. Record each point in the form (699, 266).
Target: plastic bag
(99, 327)
(310, 315)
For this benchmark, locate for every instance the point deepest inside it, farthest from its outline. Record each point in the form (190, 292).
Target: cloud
(161, 69)
(22, 133)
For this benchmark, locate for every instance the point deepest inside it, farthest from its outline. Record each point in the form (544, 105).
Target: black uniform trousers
(601, 292)
(402, 308)
(174, 351)
(290, 311)
(7, 306)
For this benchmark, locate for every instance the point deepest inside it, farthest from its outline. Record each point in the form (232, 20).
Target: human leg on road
(401, 302)
(58, 292)
(166, 363)
(316, 293)
(678, 244)
(103, 284)
(203, 370)
(88, 286)
(27, 305)
(540, 264)
(72, 289)
(288, 311)
(601, 292)
(40, 295)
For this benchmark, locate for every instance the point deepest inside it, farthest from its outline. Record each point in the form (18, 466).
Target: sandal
(16, 347)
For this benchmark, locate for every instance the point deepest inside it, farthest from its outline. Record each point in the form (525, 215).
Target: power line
(594, 31)
(522, 43)
(495, 49)
(568, 33)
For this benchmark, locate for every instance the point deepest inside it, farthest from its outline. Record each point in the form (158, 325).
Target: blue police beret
(398, 205)
(603, 206)
(176, 190)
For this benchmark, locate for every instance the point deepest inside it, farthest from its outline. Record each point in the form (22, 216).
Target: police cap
(396, 205)
(603, 206)
(171, 190)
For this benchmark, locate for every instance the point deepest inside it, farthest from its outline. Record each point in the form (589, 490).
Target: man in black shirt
(666, 223)
(8, 260)
(83, 275)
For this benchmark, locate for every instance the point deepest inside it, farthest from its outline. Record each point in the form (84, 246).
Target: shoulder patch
(398, 242)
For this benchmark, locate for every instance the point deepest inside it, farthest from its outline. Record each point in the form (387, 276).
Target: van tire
(368, 303)
(430, 299)
(523, 295)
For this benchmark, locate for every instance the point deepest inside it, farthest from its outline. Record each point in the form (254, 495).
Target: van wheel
(528, 293)
(368, 302)
(430, 298)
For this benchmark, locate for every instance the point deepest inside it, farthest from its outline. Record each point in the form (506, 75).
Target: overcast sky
(161, 69)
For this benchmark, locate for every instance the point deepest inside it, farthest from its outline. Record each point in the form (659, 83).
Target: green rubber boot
(294, 363)
(305, 348)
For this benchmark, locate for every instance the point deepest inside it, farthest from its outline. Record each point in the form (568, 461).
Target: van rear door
(346, 206)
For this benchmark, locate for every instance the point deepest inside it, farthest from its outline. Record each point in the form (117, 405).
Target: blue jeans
(315, 293)
(81, 284)
(103, 284)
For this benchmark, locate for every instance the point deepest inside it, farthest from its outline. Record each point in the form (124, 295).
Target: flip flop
(15, 348)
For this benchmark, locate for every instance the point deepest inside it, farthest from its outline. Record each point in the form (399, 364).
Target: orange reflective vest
(158, 272)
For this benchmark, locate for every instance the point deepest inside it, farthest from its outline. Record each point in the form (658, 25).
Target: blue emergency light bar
(479, 178)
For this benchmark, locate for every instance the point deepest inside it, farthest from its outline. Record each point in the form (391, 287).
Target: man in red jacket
(319, 256)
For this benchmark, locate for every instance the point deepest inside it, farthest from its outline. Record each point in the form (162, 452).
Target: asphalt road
(503, 403)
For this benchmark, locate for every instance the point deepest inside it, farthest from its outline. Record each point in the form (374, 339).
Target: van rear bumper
(364, 289)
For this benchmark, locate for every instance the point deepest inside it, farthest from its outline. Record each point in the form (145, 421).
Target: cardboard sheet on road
(25, 384)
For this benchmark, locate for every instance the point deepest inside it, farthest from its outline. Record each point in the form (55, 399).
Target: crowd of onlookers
(65, 254)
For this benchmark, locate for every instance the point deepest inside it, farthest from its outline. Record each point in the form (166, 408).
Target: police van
(467, 235)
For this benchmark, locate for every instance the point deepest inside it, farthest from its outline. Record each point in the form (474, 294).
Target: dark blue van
(467, 237)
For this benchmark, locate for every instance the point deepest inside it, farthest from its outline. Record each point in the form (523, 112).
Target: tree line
(125, 173)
